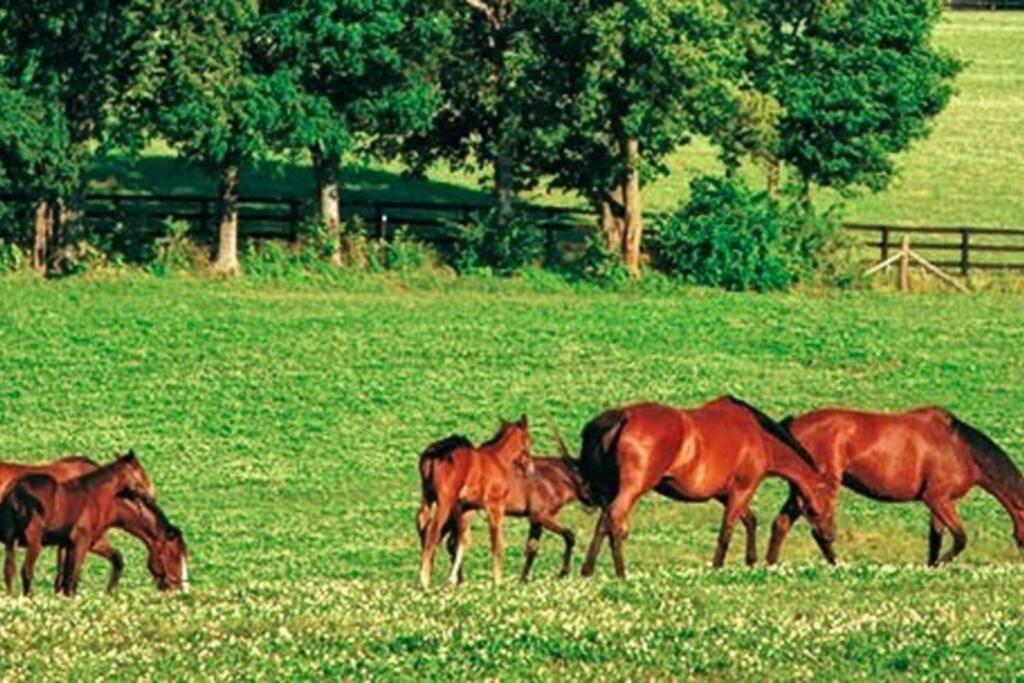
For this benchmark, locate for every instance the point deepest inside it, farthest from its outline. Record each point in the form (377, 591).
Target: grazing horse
(66, 468)
(722, 450)
(167, 558)
(37, 510)
(539, 497)
(455, 475)
(926, 455)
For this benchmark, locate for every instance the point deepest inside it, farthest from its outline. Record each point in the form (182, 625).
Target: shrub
(482, 245)
(728, 235)
(176, 250)
(11, 258)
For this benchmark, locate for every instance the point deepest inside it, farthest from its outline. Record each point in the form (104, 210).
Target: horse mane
(82, 459)
(780, 430)
(990, 458)
(103, 473)
(497, 435)
(442, 449)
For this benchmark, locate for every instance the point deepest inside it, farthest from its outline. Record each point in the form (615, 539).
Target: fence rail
(269, 217)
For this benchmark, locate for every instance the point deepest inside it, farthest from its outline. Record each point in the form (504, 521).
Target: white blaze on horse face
(184, 574)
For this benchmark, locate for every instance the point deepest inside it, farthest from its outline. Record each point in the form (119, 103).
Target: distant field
(970, 172)
(281, 427)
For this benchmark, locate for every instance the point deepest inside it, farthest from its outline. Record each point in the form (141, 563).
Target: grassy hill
(969, 172)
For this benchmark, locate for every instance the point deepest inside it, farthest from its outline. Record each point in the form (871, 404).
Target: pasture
(281, 424)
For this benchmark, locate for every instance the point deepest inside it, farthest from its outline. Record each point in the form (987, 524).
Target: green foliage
(351, 77)
(487, 243)
(176, 251)
(213, 106)
(66, 68)
(281, 425)
(644, 69)
(857, 82)
(730, 236)
(11, 258)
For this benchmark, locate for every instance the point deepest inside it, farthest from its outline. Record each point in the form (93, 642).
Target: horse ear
(523, 421)
(173, 533)
(130, 455)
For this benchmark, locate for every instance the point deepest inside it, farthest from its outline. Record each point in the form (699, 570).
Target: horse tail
(993, 461)
(598, 466)
(779, 430)
(573, 468)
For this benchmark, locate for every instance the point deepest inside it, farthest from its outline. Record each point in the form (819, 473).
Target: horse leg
(495, 515)
(934, 540)
(9, 566)
(422, 520)
(568, 537)
(28, 565)
(58, 580)
(432, 538)
(750, 524)
(824, 546)
(33, 536)
(618, 527)
(458, 543)
(600, 530)
(532, 547)
(103, 548)
(945, 510)
(73, 567)
(788, 515)
(736, 505)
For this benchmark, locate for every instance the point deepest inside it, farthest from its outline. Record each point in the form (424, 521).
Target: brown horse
(456, 475)
(167, 558)
(62, 470)
(926, 455)
(722, 450)
(37, 510)
(539, 497)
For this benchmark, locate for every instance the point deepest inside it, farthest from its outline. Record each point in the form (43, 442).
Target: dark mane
(497, 436)
(81, 459)
(102, 473)
(442, 449)
(990, 458)
(779, 430)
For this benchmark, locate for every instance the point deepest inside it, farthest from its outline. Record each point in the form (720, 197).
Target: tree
(635, 79)
(213, 106)
(480, 124)
(64, 65)
(354, 77)
(855, 83)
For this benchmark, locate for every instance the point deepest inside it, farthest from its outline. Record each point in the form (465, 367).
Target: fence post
(204, 216)
(293, 218)
(905, 264)
(965, 251)
(885, 243)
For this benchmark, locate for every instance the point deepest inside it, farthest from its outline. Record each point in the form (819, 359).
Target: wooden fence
(958, 248)
(986, 4)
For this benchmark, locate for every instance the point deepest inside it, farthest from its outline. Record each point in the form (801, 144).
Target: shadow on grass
(166, 174)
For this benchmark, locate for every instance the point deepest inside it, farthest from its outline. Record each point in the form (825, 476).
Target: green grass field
(967, 173)
(281, 426)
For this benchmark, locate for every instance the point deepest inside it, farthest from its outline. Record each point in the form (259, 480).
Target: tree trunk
(43, 234)
(634, 217)
(227, 245)
(613, 226)
(328, 199)
(774, 179)
(504, 157)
